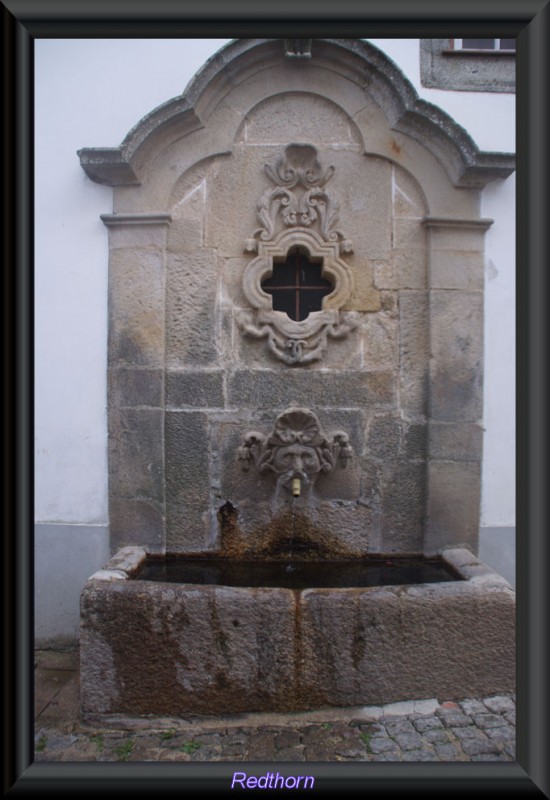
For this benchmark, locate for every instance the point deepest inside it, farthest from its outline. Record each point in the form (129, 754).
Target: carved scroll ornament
(297, 212)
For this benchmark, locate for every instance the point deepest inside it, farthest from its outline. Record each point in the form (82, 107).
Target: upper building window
(468, 65)
(483, 45)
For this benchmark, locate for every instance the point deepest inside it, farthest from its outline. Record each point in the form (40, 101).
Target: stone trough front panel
(171, 649)
(174, 649)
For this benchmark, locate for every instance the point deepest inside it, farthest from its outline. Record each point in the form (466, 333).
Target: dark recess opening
(296, 285)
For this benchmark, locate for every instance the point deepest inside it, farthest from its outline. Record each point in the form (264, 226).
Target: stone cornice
(354, 59)
(114, 220)
(455, 222)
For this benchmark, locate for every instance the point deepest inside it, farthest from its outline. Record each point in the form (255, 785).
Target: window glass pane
(478, 44)
(507, 44)
(311, 300)
(283, 274)
(310, 275)
(296, 285)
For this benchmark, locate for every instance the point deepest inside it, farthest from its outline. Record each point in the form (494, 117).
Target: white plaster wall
(89, 93)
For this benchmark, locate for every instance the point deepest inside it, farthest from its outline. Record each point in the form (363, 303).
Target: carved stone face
(297, 448)
(297, 460)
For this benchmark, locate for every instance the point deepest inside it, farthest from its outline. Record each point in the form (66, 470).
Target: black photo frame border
(528, 20)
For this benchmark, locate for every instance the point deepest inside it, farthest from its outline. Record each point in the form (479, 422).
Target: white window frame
(456, 44)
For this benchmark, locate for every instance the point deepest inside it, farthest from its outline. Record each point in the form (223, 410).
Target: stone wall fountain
(295, 397)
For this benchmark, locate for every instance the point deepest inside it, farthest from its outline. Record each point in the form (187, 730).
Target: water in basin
(295, 574)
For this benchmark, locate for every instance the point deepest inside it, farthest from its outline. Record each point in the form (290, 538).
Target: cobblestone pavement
(427, 730)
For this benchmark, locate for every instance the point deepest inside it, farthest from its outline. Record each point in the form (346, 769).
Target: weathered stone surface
(456, 269)
(137, 521)
(291, 117)
(481, 746)
(128, 559)
(457, 355)
(368, 221)
(247, 389)
(463, 236)
(187, 480)
(136, 307)
(472, 707)
(408, 197)
(365, 297)
(233, 270)
(488, 721)
(384, 437)
(135, 387)
(383, 745)
(135, 453)
(401, 726)
(410, 269)
(191, 303)
(413, 352)
(109, 575)
(447, 752)
(416, 441)
(504, 733)
(200, 646)
(449, 441)
(233, 189)
(202, 649)
(384, 274)
(500, 704)
(408, 741)
(409, 234)
(137, 230)
(364, 644)
(194, 389)
(453, 505)
(351, 526)
(343, 483)
(186, 234)
(456, 720)
(427, 724)
(379, 333)
(403, 489)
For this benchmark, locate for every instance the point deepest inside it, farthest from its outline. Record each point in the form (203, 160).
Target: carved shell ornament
(297, 213)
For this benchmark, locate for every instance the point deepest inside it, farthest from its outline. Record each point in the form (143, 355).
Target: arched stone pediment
(359, 67)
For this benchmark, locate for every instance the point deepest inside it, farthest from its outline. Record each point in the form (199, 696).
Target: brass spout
(296, 487)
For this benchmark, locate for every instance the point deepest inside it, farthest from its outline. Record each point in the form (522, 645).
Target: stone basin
(164, 648)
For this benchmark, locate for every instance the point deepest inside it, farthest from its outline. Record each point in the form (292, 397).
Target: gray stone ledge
(127, 560)
(112, 220)
(472, 569)
(456, 222)
(109, 575)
